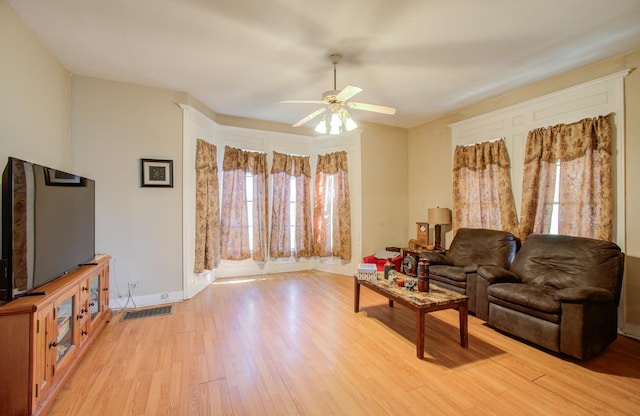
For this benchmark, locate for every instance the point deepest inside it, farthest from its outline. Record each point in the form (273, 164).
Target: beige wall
(436, 137)
(35, 112)
(429, 170)
(114, 125)
(385, 207)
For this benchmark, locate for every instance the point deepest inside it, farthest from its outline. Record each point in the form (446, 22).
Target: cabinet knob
(85, 289)
(84, 310)
(104, 289)
(83, 332)
(92, 304)
(53, 344)
(79, 316)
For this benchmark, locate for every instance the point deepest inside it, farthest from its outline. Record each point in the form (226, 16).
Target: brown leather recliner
(561, 293)
(457, 269)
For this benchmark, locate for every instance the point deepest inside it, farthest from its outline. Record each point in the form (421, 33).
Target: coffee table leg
(463, 310)
(356, 295)
(420, 333)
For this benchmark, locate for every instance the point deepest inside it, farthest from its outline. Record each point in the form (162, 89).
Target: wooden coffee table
(421, 302)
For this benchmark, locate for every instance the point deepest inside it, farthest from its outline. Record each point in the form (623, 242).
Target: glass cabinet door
(45, 333)
(94, 301)
(64, 319)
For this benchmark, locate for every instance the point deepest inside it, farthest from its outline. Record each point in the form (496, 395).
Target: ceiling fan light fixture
(350, 123)
(336, 122)
(322, 125)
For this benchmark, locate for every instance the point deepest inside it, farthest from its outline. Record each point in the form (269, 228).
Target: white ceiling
(424, 57)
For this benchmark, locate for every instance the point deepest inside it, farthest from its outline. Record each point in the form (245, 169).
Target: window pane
(328, 203)
(556, 202)
(292, 212)
(249, 197)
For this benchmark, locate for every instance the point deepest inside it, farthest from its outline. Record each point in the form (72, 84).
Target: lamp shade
(439, 216)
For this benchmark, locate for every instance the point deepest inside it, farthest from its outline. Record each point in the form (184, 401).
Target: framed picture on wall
(53, 177)
(156, 173)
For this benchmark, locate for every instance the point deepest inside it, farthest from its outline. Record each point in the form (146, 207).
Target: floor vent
(144, 313)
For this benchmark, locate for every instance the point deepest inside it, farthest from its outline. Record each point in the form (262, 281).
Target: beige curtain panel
(482, 192)
(583, 152)
(332, 234)
(234, 224)
(284, 168)
(207, 252)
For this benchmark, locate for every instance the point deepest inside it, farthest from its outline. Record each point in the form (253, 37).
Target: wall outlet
(164, 295)
(133, 285)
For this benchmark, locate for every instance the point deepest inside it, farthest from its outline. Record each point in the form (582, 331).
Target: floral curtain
(284, 168)
(585, 206)
(207, 252)
(482, 194)
(332, 210)
(234, 235)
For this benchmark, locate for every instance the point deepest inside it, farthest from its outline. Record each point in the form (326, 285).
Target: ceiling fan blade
(372, 107)
(301, 102)
(348, 92)
(310, 116)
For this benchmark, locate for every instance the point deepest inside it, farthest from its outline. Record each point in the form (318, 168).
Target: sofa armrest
(486, 276)
(436, 258)
(471, 268)
(495, 274)
(584, 294)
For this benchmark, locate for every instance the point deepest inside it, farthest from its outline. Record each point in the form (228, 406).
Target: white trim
(542, 98)
(195, 125)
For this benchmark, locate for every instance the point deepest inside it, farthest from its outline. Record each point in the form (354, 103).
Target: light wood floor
(290, 344)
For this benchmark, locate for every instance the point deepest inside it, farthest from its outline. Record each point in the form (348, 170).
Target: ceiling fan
(337, 119)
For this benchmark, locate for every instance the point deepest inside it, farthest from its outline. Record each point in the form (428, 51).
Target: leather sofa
(560, 293)
(471, 247)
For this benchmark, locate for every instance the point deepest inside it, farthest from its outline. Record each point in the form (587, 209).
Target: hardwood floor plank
(290, 344)
(214, 399)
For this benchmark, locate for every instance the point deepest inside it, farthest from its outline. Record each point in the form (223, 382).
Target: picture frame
(54, 177)
(156, 173)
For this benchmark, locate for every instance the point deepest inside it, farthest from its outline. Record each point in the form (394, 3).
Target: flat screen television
(48, 226)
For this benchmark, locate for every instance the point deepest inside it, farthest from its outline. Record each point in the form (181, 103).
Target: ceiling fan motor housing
(329, 97)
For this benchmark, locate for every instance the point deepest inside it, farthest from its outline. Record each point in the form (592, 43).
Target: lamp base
(437, 236)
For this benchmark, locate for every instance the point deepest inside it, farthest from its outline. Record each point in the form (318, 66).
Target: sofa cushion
(561, 261)
(540, 298)
(539, 306)
(482, 246)
(450, 272)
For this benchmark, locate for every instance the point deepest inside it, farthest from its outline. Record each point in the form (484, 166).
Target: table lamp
(438, 216)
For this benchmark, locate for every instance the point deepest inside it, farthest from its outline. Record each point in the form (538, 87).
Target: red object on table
(372, 259)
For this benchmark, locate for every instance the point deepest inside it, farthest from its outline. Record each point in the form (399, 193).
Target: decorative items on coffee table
(367, 271)
(409, 265)
(411, 258)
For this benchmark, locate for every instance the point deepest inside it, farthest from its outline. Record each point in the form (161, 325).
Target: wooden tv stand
(43, 338)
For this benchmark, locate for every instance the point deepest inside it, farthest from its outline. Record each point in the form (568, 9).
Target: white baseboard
(631, 331)
(146, 300)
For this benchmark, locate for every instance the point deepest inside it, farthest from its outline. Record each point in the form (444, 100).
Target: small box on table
(367, 272)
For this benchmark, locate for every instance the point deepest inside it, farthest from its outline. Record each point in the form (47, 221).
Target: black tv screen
(48, 225)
